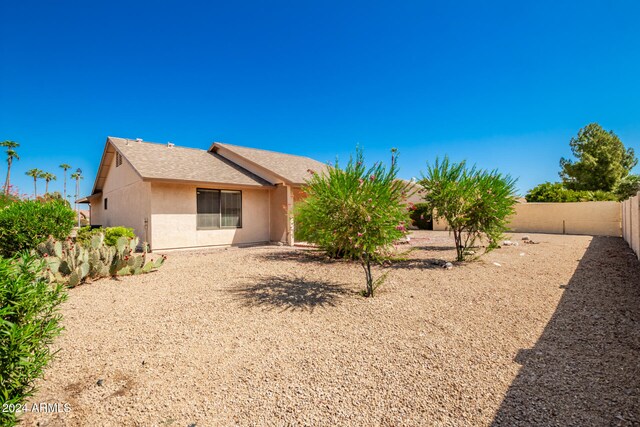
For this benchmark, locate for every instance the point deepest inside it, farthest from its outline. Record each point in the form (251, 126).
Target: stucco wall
(591, 218)
(173, 219)
(278, 212)
(631, 223)
(128, 202)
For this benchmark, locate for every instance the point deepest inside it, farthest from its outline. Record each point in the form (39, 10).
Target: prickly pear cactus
(71, 263)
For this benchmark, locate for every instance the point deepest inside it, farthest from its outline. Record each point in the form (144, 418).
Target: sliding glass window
(219, 209)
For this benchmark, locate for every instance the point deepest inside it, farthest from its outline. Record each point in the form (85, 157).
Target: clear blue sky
(501, 84)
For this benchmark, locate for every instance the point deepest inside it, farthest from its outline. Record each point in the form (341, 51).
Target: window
(218, 209)
(105, 203)
(118, 159)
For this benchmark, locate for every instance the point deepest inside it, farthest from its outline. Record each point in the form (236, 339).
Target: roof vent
(170, 144)
(138, 139)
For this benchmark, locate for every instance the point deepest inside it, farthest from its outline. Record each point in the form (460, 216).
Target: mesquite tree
(355, 213)
(475, 203)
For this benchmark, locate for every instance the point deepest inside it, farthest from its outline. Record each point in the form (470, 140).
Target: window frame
(220, 227)
(106, 199)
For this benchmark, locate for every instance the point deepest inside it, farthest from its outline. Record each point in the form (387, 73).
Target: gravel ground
(279, 336)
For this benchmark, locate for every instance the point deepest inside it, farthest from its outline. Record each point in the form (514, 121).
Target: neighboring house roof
(291, 168)
(154, 161)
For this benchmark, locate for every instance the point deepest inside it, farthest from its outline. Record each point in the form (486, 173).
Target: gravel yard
(279, 336)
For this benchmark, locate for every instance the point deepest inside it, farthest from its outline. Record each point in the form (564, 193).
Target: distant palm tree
(77, 175)
(65, 166)
(48, 176)
(11, 154)
(35, 174)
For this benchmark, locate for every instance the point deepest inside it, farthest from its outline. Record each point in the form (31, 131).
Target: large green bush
(557, 193)
(356, 213)
(421, 216)
(475, 203)
(26, 223)
(29, 321)
(112, 234)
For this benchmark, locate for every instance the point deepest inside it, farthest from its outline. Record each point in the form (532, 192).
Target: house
(176, 197)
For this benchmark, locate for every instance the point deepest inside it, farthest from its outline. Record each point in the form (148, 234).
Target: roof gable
(291, 168)
(153, 161)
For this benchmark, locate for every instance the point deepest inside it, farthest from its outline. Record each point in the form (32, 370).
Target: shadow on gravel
(418, 263)
(290, 293)
(298, 255)
(585, 368)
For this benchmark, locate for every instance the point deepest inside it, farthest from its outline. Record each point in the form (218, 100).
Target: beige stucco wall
(591, 218)
(128, 202)
(279, 215)
(631, 223)
(173, 218)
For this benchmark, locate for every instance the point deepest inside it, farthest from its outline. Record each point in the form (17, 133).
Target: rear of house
(176, 197)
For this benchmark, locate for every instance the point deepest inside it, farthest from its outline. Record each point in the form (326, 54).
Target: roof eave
(199, 182)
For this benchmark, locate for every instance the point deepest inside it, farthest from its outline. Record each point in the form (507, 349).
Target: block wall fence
(631, 223)
(589, 218)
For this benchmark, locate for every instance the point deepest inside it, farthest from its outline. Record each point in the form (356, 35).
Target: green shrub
(421, 216)
(629, 186)
(7, 199)
(26, 223)
(112, 234)
(29, 321)
(475, 203)
(356, 212)
(84, 235)
(557, 193)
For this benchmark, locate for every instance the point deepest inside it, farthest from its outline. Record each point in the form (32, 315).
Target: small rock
(497, 264)
(448, 266)
(100, 382)
(525, 238)
(522, 254)
(509, 243)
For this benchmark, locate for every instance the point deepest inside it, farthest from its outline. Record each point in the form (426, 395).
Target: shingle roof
(293, 169)
(158, 161)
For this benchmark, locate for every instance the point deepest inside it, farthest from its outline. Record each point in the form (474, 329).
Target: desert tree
(475, 203)
(35, 174)
(356, 213)
(602, 160)
(11, 155)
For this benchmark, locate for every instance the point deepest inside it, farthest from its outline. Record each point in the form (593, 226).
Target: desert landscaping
(533, 334)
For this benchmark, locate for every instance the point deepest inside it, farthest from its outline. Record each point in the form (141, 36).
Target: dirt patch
(529, 335)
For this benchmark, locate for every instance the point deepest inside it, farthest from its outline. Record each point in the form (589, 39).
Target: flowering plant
(355, 213)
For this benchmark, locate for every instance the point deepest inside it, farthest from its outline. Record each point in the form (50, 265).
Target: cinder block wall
(631, 223)
(590, 218)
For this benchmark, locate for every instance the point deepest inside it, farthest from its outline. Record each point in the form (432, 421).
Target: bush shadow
(288, 293)
(299, 255)
(585, 367)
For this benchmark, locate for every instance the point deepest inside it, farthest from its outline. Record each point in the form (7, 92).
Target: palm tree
(77, 175)
(65, 166)
(35, 174)
(48, 176)
(11, 154)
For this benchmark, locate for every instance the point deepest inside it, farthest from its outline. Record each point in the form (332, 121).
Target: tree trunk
(7, 181)
(366, 265)
(65, 185)
(35, 188)
(46, 187)
(457, 236)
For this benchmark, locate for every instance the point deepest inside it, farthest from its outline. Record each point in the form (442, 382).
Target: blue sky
(501, 84)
